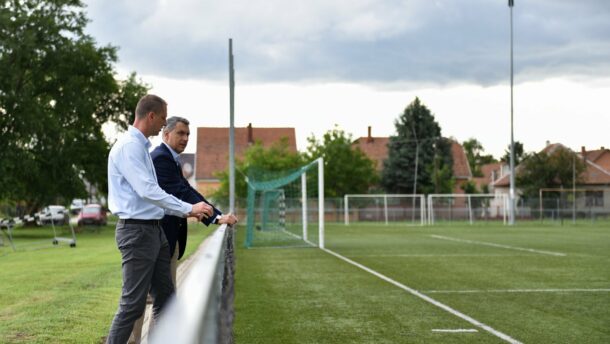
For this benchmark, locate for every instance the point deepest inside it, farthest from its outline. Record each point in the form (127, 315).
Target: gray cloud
(358, 40)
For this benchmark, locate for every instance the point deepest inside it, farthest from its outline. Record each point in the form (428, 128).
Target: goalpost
(470, 207)
(409, 208)
(281, 206)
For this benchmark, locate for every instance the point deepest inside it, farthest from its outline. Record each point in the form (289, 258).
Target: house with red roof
(595, 179)
(376, 148)
(212, 155)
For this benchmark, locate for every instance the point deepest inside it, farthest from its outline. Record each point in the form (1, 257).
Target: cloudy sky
(359, 63)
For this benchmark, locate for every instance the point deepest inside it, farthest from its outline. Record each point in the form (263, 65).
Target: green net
(283, 207)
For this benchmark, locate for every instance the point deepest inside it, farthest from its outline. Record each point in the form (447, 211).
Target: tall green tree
(262, 163)
(554, 170)
(346, 168)
(418, 145)
(57, 89)
(474, 154)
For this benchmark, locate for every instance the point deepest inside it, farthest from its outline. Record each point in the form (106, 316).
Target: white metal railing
(194, 316)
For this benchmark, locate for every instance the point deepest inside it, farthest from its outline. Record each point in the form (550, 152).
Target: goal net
(384, 208)
(469, 208)
(286, 208)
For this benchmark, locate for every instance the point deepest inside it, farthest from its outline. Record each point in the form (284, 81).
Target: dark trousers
(146, 267)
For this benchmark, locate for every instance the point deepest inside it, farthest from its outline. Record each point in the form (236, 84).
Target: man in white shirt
(136, 198)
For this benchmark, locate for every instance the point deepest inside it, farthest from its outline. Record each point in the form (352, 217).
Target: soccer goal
(285, 208)
(469, 208)
(384, 208)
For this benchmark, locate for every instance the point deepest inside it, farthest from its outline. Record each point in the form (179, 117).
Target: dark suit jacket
(170, 178)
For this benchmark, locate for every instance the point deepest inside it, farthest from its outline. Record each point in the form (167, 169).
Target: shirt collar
(174, 154)
(137, 134)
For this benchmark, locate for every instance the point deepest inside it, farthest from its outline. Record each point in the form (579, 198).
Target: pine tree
(419, 159)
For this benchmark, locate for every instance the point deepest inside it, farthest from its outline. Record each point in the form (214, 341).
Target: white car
(56, 214)
(76, 206)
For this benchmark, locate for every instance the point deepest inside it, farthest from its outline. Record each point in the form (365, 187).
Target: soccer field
(530, 283)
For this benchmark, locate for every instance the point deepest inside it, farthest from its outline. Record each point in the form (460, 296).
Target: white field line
(457, 330)
(474, 291)
(428, 299)
(499, 245)
(291, 234)
(438, 255)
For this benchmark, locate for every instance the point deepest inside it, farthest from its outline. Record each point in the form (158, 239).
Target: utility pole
(231, 130)
(511, 196)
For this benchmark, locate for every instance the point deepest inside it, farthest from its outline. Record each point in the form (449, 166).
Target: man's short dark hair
(172, 122)
(150, 103)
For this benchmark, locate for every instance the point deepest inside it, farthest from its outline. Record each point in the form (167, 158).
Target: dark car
(92, 214)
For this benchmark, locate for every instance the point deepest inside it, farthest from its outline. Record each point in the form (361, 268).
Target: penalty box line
(498, 245)
(500, 291)
(428, 299)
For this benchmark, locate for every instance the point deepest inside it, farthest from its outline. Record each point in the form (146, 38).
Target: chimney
(583, 152)
(369, 139)
(250, 136)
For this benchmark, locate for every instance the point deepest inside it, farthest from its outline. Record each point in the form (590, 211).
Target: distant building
(212, 156)
(376, 149)
(461, 167)
(595, 178)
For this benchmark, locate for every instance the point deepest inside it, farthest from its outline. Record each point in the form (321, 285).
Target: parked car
(56, 214)
(92, 214)
(76, 206)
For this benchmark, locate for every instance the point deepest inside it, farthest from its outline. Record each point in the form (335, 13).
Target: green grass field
(535, 283)
(58, 294)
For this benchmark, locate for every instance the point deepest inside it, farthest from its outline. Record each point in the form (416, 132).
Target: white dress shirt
(133, 191)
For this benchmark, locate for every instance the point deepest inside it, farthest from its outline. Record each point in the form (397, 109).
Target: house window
(594, 199)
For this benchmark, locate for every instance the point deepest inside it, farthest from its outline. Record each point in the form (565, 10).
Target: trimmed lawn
(536, 283)
(59, 294)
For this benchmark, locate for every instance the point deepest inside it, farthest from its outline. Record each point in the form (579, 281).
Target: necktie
(179, 166)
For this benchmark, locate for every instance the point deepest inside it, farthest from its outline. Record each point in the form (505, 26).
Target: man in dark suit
(169, 174)
(165, 159)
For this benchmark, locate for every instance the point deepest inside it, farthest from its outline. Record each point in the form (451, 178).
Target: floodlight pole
(511, 198)
(231, 130)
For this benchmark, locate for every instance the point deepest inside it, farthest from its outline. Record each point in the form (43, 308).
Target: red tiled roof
(489, 171)
(461, 168)
(595, 175)
(213, 146)
(597, 170)
(600, 157)
(376, 148)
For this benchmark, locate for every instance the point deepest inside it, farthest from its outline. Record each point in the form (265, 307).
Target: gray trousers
(146, 268)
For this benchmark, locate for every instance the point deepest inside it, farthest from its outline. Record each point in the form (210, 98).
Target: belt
(140, 222)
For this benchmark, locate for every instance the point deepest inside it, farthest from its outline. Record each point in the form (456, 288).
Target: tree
(57, 89)
(542, 170)
(262, 163)
(418, 146)
(519, 153)
(474, 154)
(346, 168)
